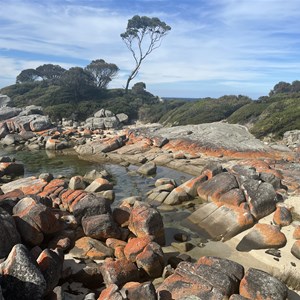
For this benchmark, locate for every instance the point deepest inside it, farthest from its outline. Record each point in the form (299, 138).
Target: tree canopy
(50, 71)
(27, 75)
(142, 36)
(102, 72)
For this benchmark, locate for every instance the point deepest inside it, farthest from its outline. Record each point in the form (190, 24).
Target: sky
(215, 47)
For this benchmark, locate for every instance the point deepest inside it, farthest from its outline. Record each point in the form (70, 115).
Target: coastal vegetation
(77, 94)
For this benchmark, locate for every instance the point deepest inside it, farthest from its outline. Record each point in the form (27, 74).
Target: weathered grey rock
(4, 100)
(148, 168)
(76, 183)
(272, 179)
(21, 278)
(9, 112)
(11, 139)
(31, 110)
(111, 122)
(9, 236)
(258, 284)
(214, 188)
(98, 185)
(295, 250)
(123, 118)
(3, 130)
(100, 227)
(91, 205)
(260, 196)
(218, 135)
(291, 138)
(103, 113)
(40, 123)
(51, 264)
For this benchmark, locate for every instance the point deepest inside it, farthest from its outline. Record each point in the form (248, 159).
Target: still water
(127, 182)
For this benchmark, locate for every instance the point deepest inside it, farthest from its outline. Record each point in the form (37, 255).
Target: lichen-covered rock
(91, 205)
(21, 277)
(119, 271)
(259, 285)
(111, 292)
(262, 236)
(87, 247)
(176, 196)
(199, 280)
(233, 197)
(282, 216)
(213, 189)
(98, 185)
(260, 196)
(9, 236)
(222, 221)
(151, 260)
(51, 264)
(100, 227)
(139, 291)
(135, 246)
(145, 221)
(35, 221)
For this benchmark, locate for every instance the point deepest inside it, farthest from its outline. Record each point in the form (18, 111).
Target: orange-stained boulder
(296, 249)
(282, 216)
(213, 189)
(151, 260)
(51, 264)
(262, 236)
(9, 236)
(145, 221)
(260, 196)
(296, 234)
(100, 227)
(139, 291)
(111, 292)
(222, 221)
(87, 247)
(233, 197)
(135, 246)
(259, 285)
(98, 185)
(198, 280)
(119, 271)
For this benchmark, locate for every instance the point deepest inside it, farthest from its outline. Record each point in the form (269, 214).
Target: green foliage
(205, 110)
(102, 72)
(59, 111)
(278, 118)
(270, 115)
(28, 75)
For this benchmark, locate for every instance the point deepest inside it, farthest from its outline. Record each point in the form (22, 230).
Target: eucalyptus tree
(50, 71)
(27, 75)
(102, 72)
(142, 36)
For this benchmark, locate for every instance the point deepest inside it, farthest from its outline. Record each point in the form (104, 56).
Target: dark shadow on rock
(15, 289)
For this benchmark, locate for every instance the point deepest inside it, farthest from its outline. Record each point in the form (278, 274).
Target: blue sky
(215, 47)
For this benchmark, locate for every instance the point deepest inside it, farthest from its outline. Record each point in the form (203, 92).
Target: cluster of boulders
(62, 239)
(292, 138)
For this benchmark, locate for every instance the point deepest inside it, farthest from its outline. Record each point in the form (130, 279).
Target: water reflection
(127, 182)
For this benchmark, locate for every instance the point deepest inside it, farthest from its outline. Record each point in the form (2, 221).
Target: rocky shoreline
(61, 238)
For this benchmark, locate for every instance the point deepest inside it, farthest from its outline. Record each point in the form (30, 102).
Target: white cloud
(231, 41)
